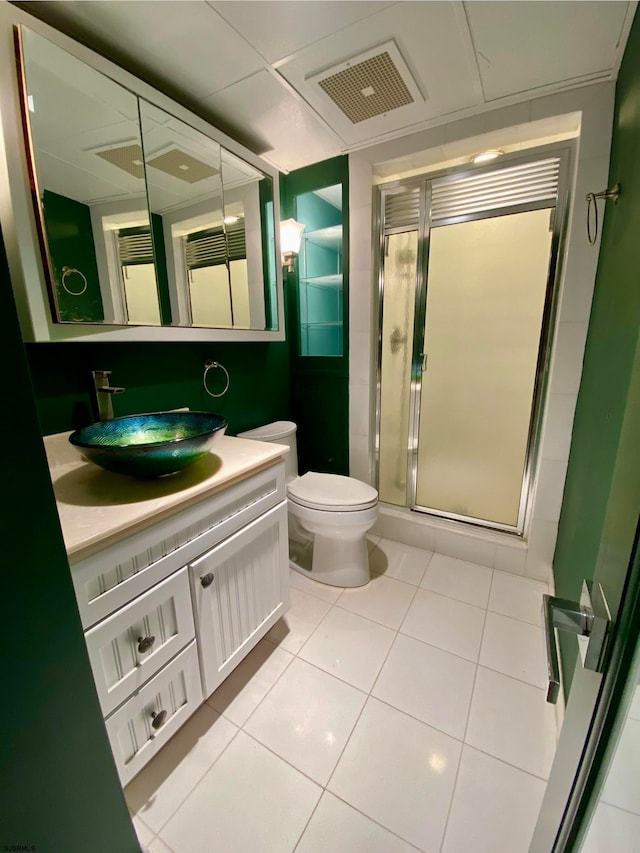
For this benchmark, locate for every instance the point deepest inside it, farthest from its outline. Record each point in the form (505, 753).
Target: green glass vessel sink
(150, 445)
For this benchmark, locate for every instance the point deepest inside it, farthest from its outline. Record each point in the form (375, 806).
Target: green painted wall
(60, 791)
(70, 240)
(158, 377)
(319, 385)
(609, 363)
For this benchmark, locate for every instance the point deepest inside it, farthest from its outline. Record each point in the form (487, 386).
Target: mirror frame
(18, 215)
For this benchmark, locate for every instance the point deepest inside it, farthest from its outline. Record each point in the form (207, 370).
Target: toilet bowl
(329, 516)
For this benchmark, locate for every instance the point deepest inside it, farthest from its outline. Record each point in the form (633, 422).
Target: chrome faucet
(104, 393)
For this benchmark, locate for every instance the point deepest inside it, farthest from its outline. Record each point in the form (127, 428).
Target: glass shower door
(400, 269)
(485, 299)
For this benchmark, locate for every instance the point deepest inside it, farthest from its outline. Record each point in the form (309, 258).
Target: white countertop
(97, 508)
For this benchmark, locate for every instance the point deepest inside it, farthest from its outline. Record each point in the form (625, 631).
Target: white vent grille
(368, 89)
(526, 184)
(370, 84)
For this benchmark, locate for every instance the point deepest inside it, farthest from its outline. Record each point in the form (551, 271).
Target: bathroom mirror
(89, 189)
(209, 210)
(143, 219)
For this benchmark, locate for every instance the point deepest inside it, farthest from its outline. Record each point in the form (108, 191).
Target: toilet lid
(332, 492)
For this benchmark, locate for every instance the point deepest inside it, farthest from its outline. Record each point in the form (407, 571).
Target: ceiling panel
(185, 42)
(294, 133)
(279, 29)
(526, 45)
(433, 41)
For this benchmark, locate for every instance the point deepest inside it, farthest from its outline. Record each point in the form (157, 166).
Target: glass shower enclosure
(467, 268)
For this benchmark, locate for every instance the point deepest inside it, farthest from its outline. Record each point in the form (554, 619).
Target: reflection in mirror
(89, 189)
(217, 227)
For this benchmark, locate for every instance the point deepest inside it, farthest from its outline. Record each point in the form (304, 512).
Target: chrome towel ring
(67, 271)
(210, 365)
(592, 204)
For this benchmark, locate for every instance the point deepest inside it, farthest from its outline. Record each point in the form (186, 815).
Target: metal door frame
(565, 151)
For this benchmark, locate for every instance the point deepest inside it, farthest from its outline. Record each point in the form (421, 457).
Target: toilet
(329, 516)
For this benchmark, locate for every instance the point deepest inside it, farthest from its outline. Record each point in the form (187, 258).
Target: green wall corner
(60, 789)
(611, 357)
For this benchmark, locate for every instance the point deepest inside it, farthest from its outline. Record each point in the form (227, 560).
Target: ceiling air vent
(181, 165)
(126, 157)
(369, 84)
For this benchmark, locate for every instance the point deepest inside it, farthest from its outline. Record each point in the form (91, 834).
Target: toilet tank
(279, 432)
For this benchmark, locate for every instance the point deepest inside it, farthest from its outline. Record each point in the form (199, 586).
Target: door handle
(589, 617)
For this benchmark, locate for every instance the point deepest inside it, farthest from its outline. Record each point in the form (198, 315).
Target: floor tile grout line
(309, 819)
(373, 820)
(285, 760)
(293, 657)
(619, 808)
(512, 677)
(365, 702)
(537, 776)
(200, 778)
(464, 734)
(393, 642)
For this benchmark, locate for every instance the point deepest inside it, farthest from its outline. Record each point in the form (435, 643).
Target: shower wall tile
(360, 181)
(596, 116)
(566, 365)
(510, 559)
(465, 547)
(359, 358)
(359, 459)
(549, 489)
(542, 543)
(360, 248)
(361, 304)
(407, 531)
(359, 410)
(558, 425)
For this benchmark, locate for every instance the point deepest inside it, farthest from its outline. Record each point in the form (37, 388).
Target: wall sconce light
(290, 237)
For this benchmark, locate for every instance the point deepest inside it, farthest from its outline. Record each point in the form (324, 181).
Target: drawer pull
(207, 580)
(145, 643)
(159, 719)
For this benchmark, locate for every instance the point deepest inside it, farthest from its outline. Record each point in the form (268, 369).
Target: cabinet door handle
(159, 719)
(145, 643)
(207, 580)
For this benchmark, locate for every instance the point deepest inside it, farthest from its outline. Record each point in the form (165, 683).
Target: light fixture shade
(290, 236)
(486, 156)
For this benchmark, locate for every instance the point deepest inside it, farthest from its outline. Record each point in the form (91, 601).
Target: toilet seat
(331, 493)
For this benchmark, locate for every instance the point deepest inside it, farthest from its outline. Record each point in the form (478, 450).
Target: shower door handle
(589, 617)
(424, 356)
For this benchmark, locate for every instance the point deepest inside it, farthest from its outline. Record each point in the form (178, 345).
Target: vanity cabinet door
(239, 590)
(135, 642)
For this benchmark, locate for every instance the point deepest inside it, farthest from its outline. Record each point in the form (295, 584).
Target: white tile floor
(406, 715)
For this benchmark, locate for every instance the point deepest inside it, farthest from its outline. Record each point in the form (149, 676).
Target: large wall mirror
(143, 219)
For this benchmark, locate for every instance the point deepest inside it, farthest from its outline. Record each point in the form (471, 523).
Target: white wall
(533, 555)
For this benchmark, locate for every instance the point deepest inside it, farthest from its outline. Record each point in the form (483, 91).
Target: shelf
(328, 238)
(324, 280)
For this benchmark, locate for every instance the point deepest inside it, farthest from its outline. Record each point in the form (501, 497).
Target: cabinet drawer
(114, 576)
(129, 647)
(240, 589)
(176, 690)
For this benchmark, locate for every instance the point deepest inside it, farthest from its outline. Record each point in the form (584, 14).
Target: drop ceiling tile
(279, 29)
(524, 46)
(432, 40)
(291, 130)
(187, 43)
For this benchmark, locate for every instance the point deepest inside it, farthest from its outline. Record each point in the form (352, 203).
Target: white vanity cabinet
(236, 590)
(171, 609)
